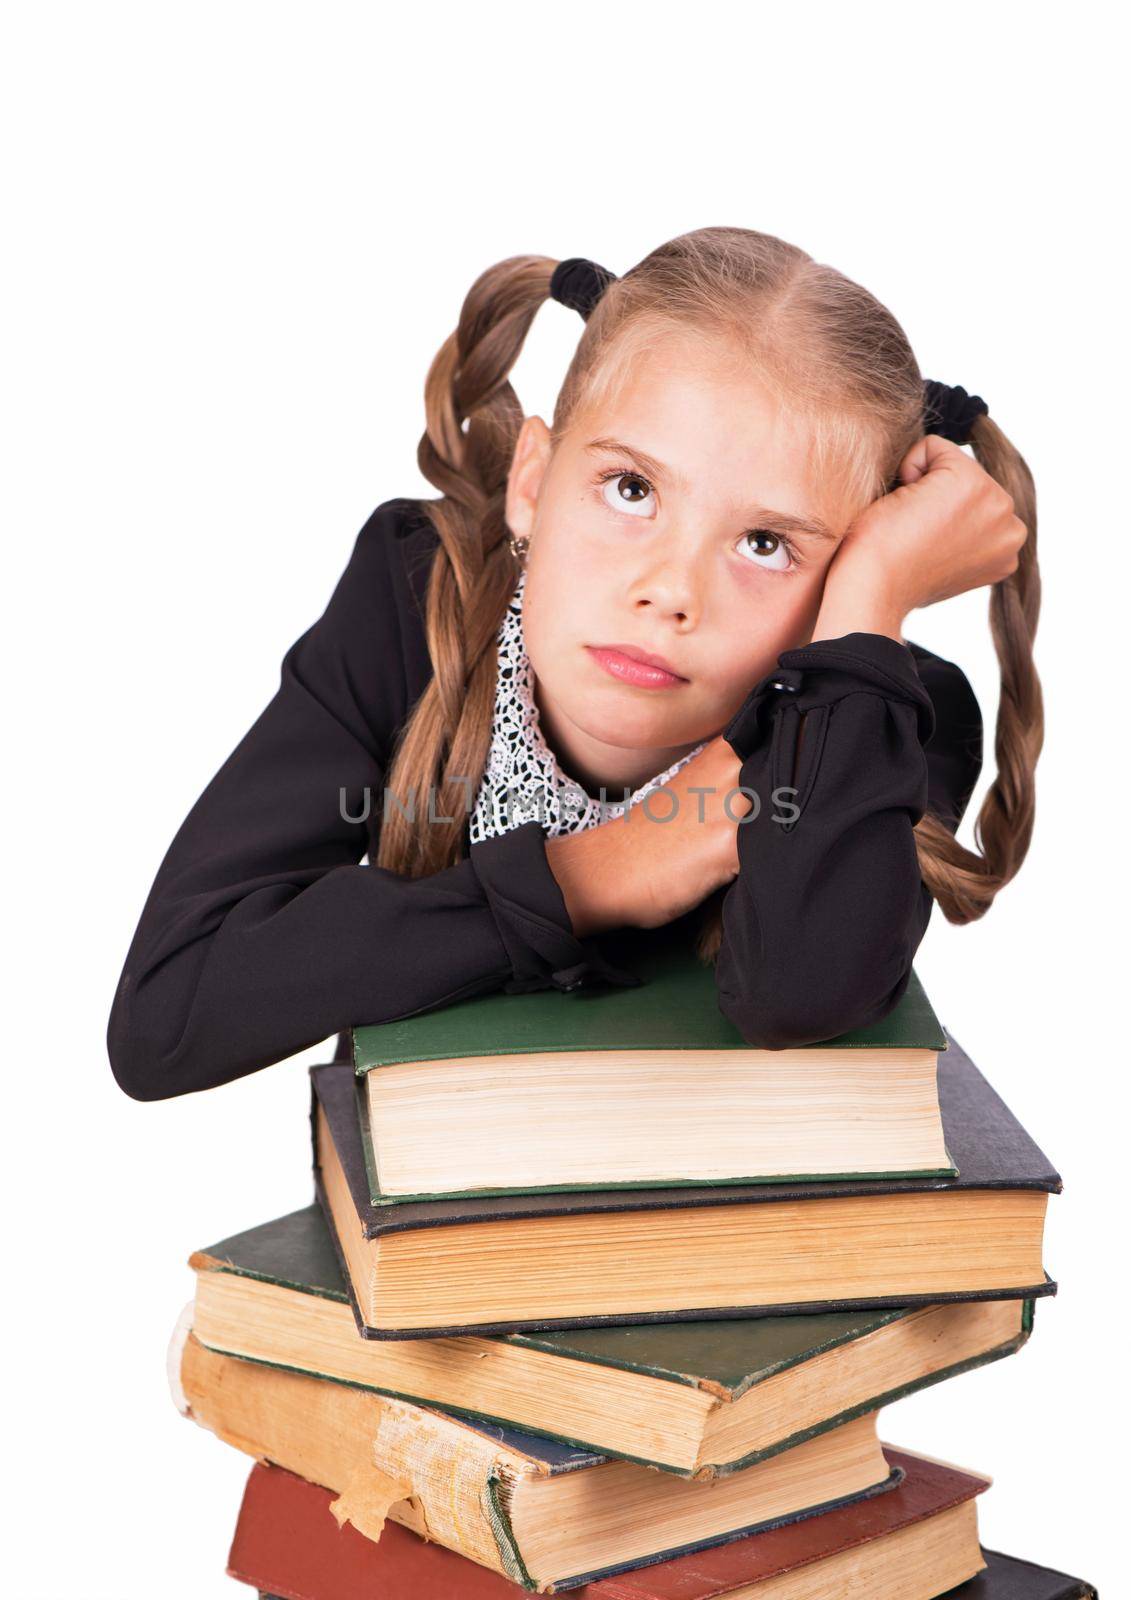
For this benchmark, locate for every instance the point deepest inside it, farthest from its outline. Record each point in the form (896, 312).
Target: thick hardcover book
(544, 1515)
(697, 1398)
(498, 1264)
(288, 1544)
(649, 1086)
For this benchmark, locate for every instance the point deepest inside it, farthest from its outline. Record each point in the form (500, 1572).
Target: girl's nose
(668, 589)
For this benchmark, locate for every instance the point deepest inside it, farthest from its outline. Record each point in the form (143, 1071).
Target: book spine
(382, 1457)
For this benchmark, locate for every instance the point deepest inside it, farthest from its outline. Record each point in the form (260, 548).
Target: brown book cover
(287, 1543)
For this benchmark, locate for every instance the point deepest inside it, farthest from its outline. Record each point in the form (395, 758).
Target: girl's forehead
(717, 428)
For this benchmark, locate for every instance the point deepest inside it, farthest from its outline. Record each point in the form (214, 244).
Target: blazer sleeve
(822, 923)
(264, 934)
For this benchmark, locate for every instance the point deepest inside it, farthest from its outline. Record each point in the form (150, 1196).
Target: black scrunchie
(579, 283)
(950, 412)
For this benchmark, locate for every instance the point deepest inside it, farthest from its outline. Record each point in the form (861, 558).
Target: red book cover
(288, 1543)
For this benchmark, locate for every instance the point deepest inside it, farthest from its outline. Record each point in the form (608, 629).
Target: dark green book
(699, 1399)
(639, 1087)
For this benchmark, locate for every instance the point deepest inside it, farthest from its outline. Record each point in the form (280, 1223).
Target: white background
(236, 235)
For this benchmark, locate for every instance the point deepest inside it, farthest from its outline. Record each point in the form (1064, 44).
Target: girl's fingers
(924, 454)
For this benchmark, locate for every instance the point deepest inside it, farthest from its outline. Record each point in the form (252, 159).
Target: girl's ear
(528, 467)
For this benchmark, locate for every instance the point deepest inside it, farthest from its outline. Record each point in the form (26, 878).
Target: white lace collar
(523, 780)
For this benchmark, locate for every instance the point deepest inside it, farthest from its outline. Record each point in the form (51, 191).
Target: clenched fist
(949, 527)
(664, 856)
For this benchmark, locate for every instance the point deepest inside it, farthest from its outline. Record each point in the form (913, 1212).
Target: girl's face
(680, 520)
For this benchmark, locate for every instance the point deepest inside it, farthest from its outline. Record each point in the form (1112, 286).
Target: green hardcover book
(700, 1399)
(639, 1088)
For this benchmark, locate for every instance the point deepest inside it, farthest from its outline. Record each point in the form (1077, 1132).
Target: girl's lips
(629, 670)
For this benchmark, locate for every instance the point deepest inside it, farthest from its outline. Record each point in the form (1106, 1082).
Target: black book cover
(1007, 1578)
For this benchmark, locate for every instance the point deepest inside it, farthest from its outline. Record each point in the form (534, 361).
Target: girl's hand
(949, 527)
(642, 871)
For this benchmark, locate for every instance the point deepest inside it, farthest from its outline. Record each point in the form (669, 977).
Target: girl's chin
(633, 738)
(609, 714)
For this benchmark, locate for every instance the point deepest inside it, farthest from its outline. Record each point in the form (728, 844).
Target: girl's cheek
(587, 534)
(781, 617)
(774, 601)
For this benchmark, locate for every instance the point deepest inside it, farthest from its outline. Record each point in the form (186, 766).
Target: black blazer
(263, 934)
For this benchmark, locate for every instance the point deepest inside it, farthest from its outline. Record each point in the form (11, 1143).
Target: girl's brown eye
(627, 491)
(768, 550)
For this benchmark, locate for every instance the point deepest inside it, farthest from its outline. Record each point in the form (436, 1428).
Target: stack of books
(596, 1298)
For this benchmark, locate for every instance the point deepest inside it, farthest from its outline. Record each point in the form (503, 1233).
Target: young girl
(642, 669)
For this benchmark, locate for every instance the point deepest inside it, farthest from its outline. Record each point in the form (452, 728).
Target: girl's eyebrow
(786, 520)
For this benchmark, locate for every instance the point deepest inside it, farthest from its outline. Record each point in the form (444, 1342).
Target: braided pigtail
(473, 421)
(964, 882)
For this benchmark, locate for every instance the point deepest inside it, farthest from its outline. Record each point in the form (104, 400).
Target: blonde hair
(832, 352)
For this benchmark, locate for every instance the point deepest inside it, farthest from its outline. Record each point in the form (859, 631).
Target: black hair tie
(579, 283)
(951, 412)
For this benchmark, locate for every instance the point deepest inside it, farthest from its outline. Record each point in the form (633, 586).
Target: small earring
(519, 547)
